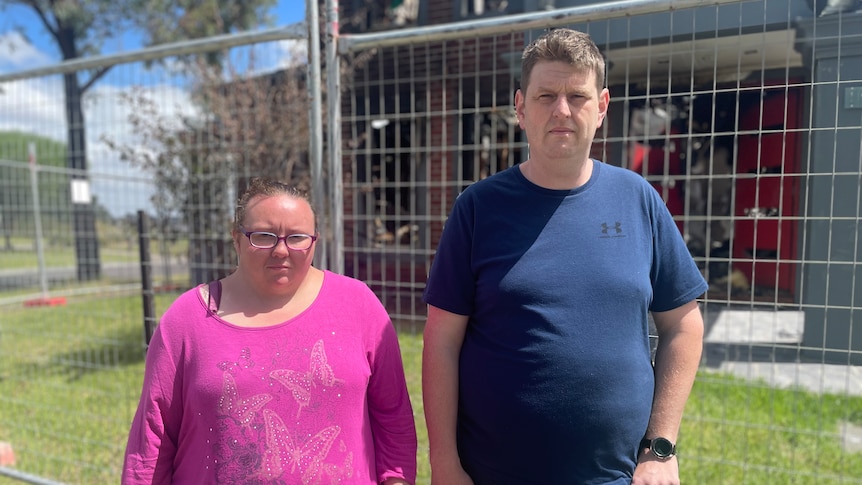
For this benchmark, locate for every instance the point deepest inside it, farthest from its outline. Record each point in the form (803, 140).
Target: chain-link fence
(744, 115)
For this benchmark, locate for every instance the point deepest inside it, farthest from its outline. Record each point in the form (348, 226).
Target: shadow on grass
(99, 355)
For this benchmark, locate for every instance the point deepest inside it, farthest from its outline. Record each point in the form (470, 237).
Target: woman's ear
(236, 235)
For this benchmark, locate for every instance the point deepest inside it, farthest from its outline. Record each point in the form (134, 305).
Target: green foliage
(16, 191)
(174, 20)
(14, 147)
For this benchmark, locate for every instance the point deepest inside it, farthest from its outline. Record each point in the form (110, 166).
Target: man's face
(560, 112)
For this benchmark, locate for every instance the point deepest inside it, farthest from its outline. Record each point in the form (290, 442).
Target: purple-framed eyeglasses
(268, 240)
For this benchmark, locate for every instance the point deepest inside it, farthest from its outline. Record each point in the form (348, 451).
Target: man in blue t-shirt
(537, 366)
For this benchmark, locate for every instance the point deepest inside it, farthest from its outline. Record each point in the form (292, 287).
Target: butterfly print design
(300, 383)
(244, 362)
(228, 366)
(340, 473)
(241, 410)
(282, 452)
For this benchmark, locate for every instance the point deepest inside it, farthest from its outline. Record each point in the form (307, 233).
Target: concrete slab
(746, 326)
(764, 345)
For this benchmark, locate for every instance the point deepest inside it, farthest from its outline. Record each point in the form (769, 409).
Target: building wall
(831, 193)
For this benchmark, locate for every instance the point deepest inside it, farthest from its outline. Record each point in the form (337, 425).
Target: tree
(249, 125)
(79, 27)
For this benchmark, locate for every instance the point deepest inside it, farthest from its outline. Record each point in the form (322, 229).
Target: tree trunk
(83, 214)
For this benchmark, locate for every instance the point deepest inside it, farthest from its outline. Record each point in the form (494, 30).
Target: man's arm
(680, 343)
(444, 334)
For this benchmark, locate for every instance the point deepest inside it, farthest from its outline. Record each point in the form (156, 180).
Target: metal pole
(315, 142)
(37, 217)
(194, 46)
(26, 477)
(147, 293)
(333, 101)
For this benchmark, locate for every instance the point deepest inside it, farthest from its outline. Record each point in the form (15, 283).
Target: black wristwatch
(662, 448)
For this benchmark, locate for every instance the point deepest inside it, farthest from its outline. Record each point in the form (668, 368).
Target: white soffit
(722, 59)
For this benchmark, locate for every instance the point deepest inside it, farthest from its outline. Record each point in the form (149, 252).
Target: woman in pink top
(278, 373)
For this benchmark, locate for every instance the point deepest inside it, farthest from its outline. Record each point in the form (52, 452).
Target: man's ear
(604, 104)
(519, 107)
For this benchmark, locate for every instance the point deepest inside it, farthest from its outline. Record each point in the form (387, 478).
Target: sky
(36, 105)
(41, 47)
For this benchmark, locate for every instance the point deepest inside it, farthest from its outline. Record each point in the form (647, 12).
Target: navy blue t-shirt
(556, 382)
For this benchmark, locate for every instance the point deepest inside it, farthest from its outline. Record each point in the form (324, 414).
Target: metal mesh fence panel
(744, 115)
(166, 152)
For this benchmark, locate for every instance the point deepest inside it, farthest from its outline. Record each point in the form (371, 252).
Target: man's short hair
(564, 45)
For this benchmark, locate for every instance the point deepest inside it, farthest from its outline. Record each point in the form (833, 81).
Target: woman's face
(277, 270)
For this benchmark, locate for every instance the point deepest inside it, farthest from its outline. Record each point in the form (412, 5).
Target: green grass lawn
(70, 378)
(736, 431)
(116, 245)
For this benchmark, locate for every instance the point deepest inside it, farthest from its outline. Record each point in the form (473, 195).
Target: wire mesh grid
(745, 116)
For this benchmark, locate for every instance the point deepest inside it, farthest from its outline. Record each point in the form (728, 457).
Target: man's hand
(395, 481)
(655, 471)
(451, 475)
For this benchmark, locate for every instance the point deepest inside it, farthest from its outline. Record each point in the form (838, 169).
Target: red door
(765, 229)
(662, 163)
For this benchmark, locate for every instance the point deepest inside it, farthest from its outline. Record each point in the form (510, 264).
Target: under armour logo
(616, 227)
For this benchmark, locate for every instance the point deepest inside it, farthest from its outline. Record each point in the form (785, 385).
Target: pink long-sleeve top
(320, 398)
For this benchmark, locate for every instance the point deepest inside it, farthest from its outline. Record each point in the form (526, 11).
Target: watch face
(662, 447)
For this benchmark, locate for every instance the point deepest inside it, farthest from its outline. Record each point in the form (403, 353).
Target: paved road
(126, 275)
(23, 278)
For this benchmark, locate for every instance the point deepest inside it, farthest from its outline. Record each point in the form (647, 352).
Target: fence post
(43, 299)
(147, 293)
(333, 100)
(315, 139)
(37, 217)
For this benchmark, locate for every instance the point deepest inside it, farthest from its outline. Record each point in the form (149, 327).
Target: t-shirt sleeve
(451, 282)
(152, 442)
(389, 408)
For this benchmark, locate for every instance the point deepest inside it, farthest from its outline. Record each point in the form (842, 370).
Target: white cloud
(120, 186)
(292, 53)
(265, 58)
(37, 105)
(17, 54)
(33, 106)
